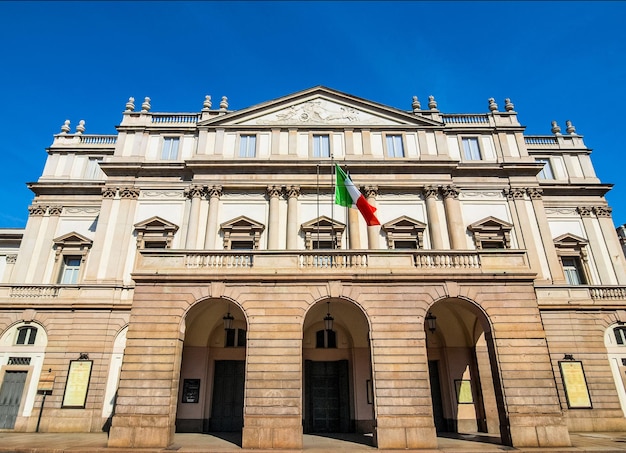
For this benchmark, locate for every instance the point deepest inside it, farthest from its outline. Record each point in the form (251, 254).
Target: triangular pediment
(404, 223)
(490, 223)
(569, 239)
(323, 223)
(72, 239)
(156, 223)
(242, 223)
(319, 106)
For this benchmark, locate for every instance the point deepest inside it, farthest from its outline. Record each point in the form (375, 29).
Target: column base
(141, 431)
(405, 433)
(266, 432)
(539, 431)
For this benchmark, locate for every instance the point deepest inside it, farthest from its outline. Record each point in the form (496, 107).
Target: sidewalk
(203, 443)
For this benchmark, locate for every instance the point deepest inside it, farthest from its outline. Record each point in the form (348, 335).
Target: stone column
(99, 253)
(431, 194)
(597, 247)
(292, 192)
(122, 232)
(273, 192)
(214, 193)
(454, 217)
(27, 249)
(195, 193)
(524, 230)
(373, 232)
(8, 270)
(554, 264)
(40, 255)
(603, 213)
(353, 229)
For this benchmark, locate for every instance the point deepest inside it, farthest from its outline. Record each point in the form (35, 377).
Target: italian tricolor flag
(346, 194)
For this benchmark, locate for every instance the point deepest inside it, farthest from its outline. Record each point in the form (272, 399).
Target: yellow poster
(575, 385)
(77, 383)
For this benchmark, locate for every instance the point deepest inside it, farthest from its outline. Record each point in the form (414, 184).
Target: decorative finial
(206, 105)
(145, 107)
(492, 105)
(555, 128)
(416, 104)
(570, 128)
(224, 103)
(81, 127)
(508, 105)
(66, 127)
(130, 105)
(432, 104)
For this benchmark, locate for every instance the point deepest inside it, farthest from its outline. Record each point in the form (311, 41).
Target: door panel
(11, 397)
(228, 390)
(327, 397)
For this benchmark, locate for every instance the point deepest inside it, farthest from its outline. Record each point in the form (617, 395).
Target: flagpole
(318, 206)
(332, 200)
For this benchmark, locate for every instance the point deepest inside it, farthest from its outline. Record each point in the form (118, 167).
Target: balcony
(317, 264)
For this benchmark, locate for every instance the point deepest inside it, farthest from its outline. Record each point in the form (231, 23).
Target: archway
(212, 374)
(463, 376)
(338, 395)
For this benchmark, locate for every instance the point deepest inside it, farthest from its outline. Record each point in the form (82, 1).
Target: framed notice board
(575, 384)
(77, 384)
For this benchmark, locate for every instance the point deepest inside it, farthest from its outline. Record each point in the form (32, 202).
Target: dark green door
(11, 397)
(327, 397)
(228, 389)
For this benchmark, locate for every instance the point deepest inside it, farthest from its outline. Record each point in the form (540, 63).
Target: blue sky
(82, 60)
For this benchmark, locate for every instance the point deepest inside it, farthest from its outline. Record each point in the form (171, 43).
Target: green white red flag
(347, 194)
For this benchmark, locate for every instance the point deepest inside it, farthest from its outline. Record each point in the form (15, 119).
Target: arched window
(620, 335)
(26, 335)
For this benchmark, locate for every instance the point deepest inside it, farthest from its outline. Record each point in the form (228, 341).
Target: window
(70, 270)
(26, 335)
(573, 270)
(170, 148)
(620, 335)
(471, 151)
(404, 233)
(323, 233)
(572, 251)
(155, 233)
(93, 168)
(394, 146)
(247, 146)
(546, 172)
(235, 338)
(326, 339)
(491, 233)
(321, 146)
(242, 233)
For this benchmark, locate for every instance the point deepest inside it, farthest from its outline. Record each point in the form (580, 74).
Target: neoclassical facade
(192, 273)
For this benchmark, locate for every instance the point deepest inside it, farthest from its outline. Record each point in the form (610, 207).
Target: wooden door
(327, 397)
(228, 391)
(11, 397)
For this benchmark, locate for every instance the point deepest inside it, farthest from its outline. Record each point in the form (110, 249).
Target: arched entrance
(337, 374)
(463, 377)
(212, 375)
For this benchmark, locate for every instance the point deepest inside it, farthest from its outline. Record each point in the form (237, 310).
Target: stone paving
(203, 443)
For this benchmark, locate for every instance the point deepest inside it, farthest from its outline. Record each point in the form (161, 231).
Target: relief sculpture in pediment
(317, 112)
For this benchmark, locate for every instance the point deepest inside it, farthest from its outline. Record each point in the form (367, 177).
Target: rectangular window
(573, 271)
(394, 146)
(471, 151)
(247, 146)
(70, 270)
(93, 168)
(170, 148)
(321, 146)
(546, 172)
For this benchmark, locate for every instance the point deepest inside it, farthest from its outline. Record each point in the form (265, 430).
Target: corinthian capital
(430, 191)
(584, 211)
(195, 191)
(370, 191)
(274, 191)
(36, 209)
(516, 193)
(292, 191)
(129, 193)
(603, 211)
(214, 191)
(535, 193)
(450, 191)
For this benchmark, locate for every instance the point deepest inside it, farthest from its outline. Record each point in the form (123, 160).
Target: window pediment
(322, 232)
(242, 233)
(570, 241)
(404, 232)
(155, 232)
(73, 240)
(491, 232)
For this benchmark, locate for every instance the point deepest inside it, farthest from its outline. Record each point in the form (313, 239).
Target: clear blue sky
(83, 59)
